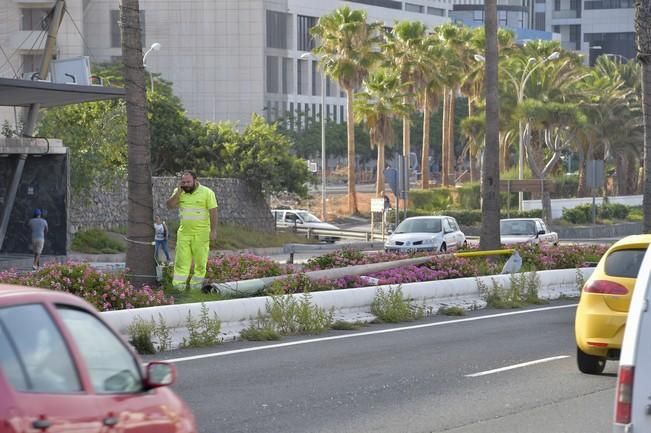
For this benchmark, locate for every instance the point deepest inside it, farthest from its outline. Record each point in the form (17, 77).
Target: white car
(298, 218)
(634, 377)
(526, 231)
(427, 233)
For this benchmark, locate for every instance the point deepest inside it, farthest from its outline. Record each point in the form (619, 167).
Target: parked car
(634, 378)
(426, 233)
(526, 231)
(63, 369)
(605, 299)
(298, 218)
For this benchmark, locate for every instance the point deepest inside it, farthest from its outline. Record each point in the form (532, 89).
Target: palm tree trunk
(350, 129)
(631, 181)
(379, 187)
(581, 190)
(140, 232)
(425, 156)
(621, 168)
(643, 41)
(451, 158)
(472, 150)
(444, 140)
(490, 181)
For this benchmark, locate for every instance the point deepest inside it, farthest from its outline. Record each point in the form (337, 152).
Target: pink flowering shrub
(561, 256)
(105, 291)
(236, 267)
(350, 257)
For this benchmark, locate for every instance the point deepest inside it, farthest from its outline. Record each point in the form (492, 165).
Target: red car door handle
(110, 421)
(41, 424)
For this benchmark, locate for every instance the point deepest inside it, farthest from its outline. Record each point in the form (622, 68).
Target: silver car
(427, 233)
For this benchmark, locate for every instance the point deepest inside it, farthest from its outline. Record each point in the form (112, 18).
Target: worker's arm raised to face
(173, 201)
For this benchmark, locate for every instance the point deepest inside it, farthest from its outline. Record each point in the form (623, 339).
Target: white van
(633, 392)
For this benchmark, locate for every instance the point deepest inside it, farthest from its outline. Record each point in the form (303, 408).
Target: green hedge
(464, 217)
(583, 214)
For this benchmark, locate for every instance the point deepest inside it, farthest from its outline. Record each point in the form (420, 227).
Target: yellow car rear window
(624, 263)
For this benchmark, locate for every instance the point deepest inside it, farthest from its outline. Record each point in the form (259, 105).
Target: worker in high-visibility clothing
(198, 215)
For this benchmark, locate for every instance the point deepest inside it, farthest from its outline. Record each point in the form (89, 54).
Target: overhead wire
(83, 39)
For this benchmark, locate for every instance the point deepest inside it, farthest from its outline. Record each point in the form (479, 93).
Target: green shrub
(582, 214)
(95, 242)
(140, 336)
(430, 199)
(391, 307)
(469, 196)
(203, 331)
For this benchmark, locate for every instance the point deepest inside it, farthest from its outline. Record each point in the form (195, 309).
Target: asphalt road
(434, 375)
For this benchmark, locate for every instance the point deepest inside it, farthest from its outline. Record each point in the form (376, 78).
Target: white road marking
(513, 367)
(363, 334)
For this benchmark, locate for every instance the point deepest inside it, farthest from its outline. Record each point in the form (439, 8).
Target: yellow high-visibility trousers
(189, 249)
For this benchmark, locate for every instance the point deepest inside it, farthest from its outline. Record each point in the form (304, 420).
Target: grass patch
(96, 241)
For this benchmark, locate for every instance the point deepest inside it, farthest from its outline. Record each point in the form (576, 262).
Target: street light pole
(155, 47)
(323, 137)
(519, 89)
(324, 117)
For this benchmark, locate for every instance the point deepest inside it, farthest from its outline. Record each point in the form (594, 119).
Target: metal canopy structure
(23, 93)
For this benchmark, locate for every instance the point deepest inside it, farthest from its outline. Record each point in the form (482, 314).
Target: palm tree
(457, 39)
(404, 51)
(490, 177)
(378, 104)
(643, 42)
(348, 50)
(140, 232)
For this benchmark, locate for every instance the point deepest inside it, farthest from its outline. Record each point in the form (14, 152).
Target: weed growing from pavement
(140, 336)
(390, 306)
(162, 332)
(522, 290)
(203, 331)
(289, 315)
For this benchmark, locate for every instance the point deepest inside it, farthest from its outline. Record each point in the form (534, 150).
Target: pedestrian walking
(161, 234)
(198, 216)
(38, 227)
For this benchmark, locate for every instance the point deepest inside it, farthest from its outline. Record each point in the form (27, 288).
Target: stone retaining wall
(239, 203)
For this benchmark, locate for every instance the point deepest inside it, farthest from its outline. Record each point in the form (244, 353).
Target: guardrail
(291, 249)
(336, 233)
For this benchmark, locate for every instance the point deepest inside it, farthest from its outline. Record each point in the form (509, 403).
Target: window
(435, 11)
(32, 63)
(272, 74)
(539, 23)
(111, 367)
(389, 4)
(305, 40)
(287, 76)
(34, 19)
(277, 29)
(116, 36)
(316, 79)
(45, 363)
(624, 263)
(609, 4)
(301, 76)
(410, 7)
(557, 5)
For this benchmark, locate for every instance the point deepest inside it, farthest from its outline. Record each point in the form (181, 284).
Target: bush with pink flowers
(105, 291)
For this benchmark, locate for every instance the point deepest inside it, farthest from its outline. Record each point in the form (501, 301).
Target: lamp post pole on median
(154, 47)
(323, 139)
(520, 86)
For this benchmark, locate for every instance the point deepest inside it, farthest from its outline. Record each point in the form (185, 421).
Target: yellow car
(603, 308)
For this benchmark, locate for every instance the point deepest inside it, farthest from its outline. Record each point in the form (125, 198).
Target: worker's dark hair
(190, 172)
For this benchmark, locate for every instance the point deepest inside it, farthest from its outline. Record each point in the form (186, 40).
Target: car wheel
(443, 248)
(590, 364)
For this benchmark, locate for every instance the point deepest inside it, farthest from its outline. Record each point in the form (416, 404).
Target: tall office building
(590, 27)
(225, 58)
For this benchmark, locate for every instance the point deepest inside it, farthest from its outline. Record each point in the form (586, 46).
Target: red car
(63, 369)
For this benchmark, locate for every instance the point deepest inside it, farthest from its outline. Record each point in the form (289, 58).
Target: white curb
(348, 304)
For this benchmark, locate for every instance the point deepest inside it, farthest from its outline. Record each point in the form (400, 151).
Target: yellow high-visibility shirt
(194, 212)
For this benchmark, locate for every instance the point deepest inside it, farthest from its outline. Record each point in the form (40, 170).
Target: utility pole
(55, 18)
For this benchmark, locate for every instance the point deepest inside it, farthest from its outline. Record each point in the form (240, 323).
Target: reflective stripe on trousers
(190, 249)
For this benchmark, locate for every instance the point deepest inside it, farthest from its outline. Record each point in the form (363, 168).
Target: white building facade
(226, 59)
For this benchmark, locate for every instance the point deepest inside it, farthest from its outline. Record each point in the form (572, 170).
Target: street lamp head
(307, 55)
(479, 58)
(155, 46)
(553, 56)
